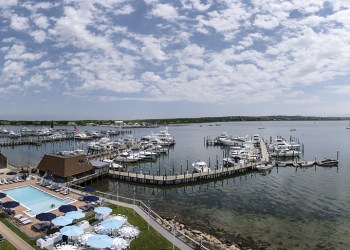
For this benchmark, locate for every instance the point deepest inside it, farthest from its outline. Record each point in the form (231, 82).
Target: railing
(165, 224)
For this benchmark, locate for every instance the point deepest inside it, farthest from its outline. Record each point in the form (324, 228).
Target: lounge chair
(84, 208)
(18, 216)
(1, 183)
(38, 227)
(23, 219)
(27, 221)
(5, 181)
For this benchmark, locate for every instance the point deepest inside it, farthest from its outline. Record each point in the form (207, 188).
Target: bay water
(287, 208)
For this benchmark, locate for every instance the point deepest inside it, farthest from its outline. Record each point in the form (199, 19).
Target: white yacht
(165, 137)
(13, 134)
(103, 144)
(200, 167)
(82, 136)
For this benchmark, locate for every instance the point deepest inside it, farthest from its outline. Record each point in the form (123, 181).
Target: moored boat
(264, 166)
(200, 167)
(306, 163)
(328, 162)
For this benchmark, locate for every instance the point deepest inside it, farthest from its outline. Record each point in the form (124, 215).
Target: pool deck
(20, 209)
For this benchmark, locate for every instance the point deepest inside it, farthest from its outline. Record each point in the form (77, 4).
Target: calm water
(288, 208)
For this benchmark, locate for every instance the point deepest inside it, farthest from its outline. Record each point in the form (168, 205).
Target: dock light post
(117, 192)
(174, 229)
(149, 211)
(134, 199)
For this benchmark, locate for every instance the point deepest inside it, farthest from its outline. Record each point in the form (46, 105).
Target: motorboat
(328, 163)
(200, 167)
(264, 166)
(113, 165)
(306, 163)
(165, 137)
(13, 134)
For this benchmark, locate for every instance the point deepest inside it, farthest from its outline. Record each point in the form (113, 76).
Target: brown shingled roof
(64, 166)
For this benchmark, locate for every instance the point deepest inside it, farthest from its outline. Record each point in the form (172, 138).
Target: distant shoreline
(169, 121)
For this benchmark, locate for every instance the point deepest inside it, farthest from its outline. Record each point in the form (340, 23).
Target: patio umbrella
(10, 204)
(72, 231)
(89, 189)
(61, 221)
(75, 215)
(90, 198)
(24, 171)
(11, 173)
(103, 210)
(45, 216)
(112, 224)
(2, 195)
(59, 180)
(67, 208)
(99, 241)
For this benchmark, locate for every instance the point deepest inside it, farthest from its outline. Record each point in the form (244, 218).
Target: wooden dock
(180, 178)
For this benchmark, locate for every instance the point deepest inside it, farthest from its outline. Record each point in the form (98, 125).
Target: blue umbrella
(90, 198)
(89, 189)
(24, 171)
(61, 221)
(112, 224)
(45, 216)
(72, 231)
(67, 208)
(2, 195)
(11, 173)
(75, 215)
(10, 204)
(103, 210)
(99, 241)
(59, 180)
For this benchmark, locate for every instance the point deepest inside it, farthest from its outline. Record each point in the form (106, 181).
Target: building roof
(64, 165)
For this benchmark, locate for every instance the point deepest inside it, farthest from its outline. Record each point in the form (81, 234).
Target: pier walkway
(180, 178)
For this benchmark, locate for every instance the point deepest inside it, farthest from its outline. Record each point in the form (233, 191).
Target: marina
(165, 177)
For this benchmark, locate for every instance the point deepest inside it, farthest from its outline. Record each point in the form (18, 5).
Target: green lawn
(6, 245)
(148, 239)
(19, 233)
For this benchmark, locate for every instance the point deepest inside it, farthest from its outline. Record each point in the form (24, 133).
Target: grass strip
(148, 239)
(19, 233)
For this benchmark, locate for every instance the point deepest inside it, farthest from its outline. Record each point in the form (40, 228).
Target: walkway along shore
(150, 216)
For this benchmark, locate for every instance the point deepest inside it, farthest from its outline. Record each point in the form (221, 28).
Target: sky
(124, 59)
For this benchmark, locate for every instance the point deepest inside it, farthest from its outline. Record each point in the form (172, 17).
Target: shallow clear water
(287, 208)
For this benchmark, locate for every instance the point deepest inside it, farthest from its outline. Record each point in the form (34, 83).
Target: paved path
(15, 240)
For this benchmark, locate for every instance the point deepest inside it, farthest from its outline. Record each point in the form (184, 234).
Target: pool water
(36, 200)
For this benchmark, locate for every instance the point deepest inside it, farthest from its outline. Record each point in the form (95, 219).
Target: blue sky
(116, 59)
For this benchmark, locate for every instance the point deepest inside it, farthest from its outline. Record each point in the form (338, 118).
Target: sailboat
(291, 128)
(348, 127)
(261, 127)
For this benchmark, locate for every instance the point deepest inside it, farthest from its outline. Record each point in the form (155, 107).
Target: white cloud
(19, 23)
(165, 11)
(152, 49)
(41, 21)
(125, 10)
(266, 21)
(38, 35)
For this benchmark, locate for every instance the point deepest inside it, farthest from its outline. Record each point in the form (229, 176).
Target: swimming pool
(36, 200)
